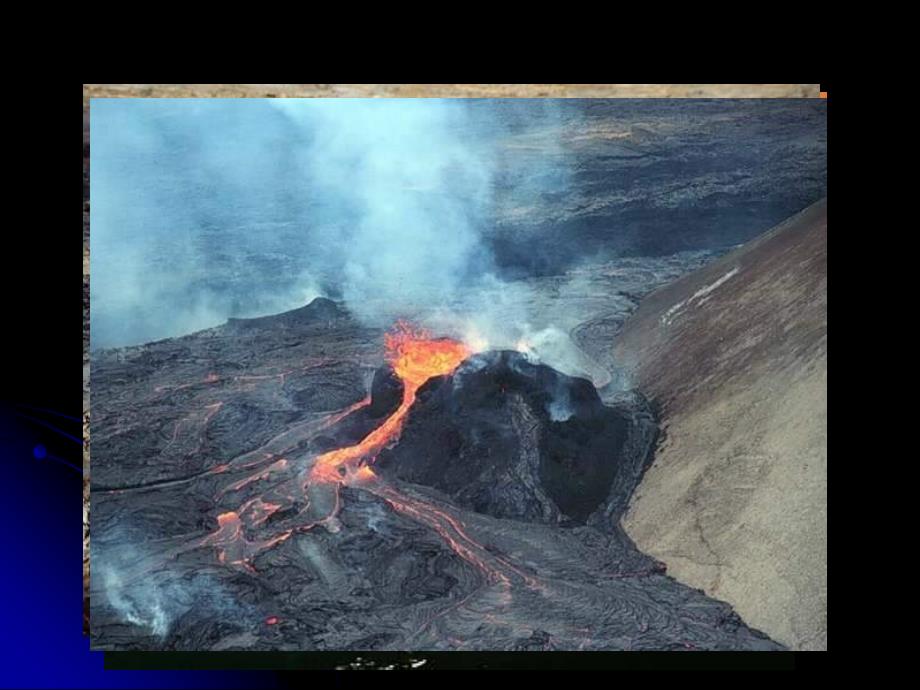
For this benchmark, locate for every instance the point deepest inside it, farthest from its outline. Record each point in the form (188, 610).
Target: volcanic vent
(471, 501)
(512, 438)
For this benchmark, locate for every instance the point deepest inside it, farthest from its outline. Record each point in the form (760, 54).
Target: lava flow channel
(415, 357)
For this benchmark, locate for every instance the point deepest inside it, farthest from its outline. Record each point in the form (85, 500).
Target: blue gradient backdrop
(43, 644)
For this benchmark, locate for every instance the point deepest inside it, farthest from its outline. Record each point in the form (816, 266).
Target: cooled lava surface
(248, 493)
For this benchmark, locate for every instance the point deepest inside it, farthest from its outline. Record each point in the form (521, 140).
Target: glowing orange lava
(232, 546)
(415, 357)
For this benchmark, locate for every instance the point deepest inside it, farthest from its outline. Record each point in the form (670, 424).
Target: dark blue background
(43, 644)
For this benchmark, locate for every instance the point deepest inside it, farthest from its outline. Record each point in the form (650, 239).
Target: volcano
(470, 500)
(334, 477)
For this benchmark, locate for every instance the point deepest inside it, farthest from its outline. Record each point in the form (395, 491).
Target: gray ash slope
(194, 428)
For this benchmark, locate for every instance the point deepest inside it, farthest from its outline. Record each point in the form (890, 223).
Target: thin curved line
(62, 460)
(45, 409)
(50, 426)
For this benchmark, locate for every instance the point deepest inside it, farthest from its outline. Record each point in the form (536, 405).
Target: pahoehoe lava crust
(479, 527)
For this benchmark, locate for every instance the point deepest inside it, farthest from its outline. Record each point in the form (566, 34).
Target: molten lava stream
(415, 358)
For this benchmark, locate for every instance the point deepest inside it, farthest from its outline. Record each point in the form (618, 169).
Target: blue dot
(39, 452)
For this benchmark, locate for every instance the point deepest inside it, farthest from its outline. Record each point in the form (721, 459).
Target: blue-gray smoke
(205, 209)
(155, 603)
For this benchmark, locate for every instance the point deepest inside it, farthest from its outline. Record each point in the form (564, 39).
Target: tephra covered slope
(735, 356)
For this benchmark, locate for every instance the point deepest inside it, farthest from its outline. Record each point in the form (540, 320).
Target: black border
(510, 661)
